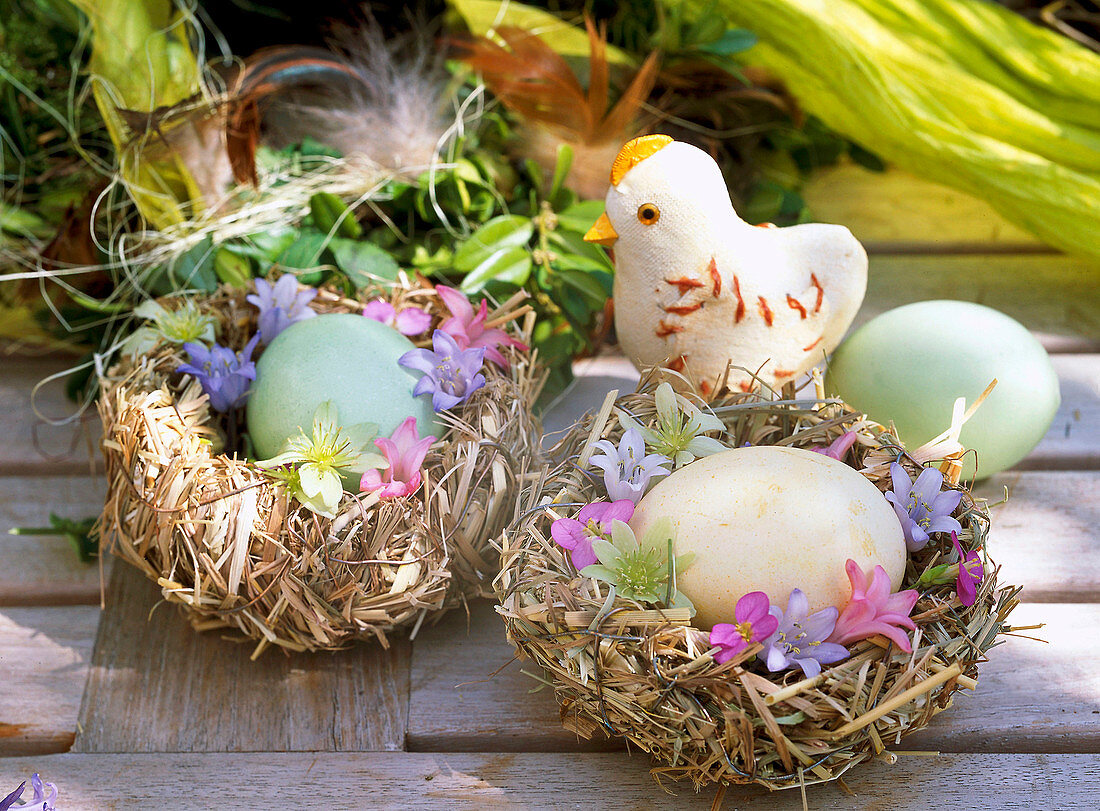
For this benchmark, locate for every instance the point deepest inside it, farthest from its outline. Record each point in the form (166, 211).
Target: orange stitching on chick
(740, 301)
(820, 291)
(781, 373)
(795, 304)
(765, 311)
(745, 386)
(811, 346)
(664, 330)
(684, 284)
(705, 388)
(677, 363)
(715, 277)
(682, 309)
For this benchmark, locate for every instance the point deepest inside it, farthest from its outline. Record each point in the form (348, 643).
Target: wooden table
(126, 706)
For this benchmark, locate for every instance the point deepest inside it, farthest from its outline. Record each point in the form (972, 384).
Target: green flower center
(641, 572)
(674, 435)
(327, 448)
(184, 325)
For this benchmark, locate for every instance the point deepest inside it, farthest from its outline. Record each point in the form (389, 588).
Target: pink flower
(468, 328)
(971, 573)
(754, 624)
(409, 321)
(405, 451)
(838, 448)
(874, 610)
(592, 522)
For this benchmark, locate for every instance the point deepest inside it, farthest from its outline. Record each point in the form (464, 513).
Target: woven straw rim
(230, 547)
(654, 682)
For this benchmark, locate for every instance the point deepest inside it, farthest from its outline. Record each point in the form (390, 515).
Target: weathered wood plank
(895, 210)
(1073, 441)
(536, 781)
(1057, 297)
(39, 569)
(158, 686)
(1047, 537)
(1032, 696)
(44, 655)
(30, 446)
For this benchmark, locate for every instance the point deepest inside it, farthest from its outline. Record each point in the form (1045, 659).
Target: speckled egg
(773, 519)
(345, 358)
(908, 366)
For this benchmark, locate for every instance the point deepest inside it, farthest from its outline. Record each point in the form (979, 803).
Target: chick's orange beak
(602, 233)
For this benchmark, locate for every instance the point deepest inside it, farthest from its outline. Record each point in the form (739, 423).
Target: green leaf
(509, 265)
(330, 215)
(507, 231)
(573, 243)
(582, 263)
(562, 166)
(733, 41)
(232, 268)
(143, 60)
(484, 15)
(364, 263)
(580, 216)
(266, 246)
(193, 270)
(23, 222)
(584, 284)
(305, 252)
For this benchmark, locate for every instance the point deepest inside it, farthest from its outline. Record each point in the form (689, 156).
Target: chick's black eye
(648, 213)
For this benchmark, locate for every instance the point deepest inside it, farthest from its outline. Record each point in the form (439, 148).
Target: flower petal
(413, 321)
(797, 605)
(567, 532)
(753, 607)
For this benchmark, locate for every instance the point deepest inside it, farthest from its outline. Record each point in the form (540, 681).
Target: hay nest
(235, 551)
(625, 669)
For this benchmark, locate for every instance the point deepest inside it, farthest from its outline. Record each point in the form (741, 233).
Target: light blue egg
(349, 359)
(908, 365)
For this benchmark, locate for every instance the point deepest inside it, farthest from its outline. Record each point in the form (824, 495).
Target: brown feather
(534, 81)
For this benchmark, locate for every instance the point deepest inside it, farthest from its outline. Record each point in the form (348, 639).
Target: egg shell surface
(908, 365)
(349, 359)
(773, 519)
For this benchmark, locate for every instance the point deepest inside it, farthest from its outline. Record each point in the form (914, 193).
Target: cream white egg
(773, 519)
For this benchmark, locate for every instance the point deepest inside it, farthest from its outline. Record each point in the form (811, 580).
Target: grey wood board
(44, 655)
(156, 685)
(984, 782)
(45, 569)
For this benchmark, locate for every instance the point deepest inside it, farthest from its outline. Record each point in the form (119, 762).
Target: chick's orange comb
(634, 152)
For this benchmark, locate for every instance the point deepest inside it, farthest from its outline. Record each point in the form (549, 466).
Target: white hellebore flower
(312, 466)
(679, 431)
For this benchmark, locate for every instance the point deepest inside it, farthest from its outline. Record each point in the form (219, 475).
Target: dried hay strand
(647, 676)
(235, 551)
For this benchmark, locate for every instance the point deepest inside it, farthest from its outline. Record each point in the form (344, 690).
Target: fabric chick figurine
(698, 286)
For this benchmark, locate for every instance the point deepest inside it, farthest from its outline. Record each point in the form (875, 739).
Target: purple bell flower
(627, 469)
(281, 304)
(923, 507)
(799, 641)
(451, 374)
(45, 795)
(225, 375)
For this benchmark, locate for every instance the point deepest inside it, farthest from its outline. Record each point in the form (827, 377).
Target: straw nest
(227, 543)
(648, 676)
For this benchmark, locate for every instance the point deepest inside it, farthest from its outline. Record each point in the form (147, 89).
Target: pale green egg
(908, 365)
(349, 359)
